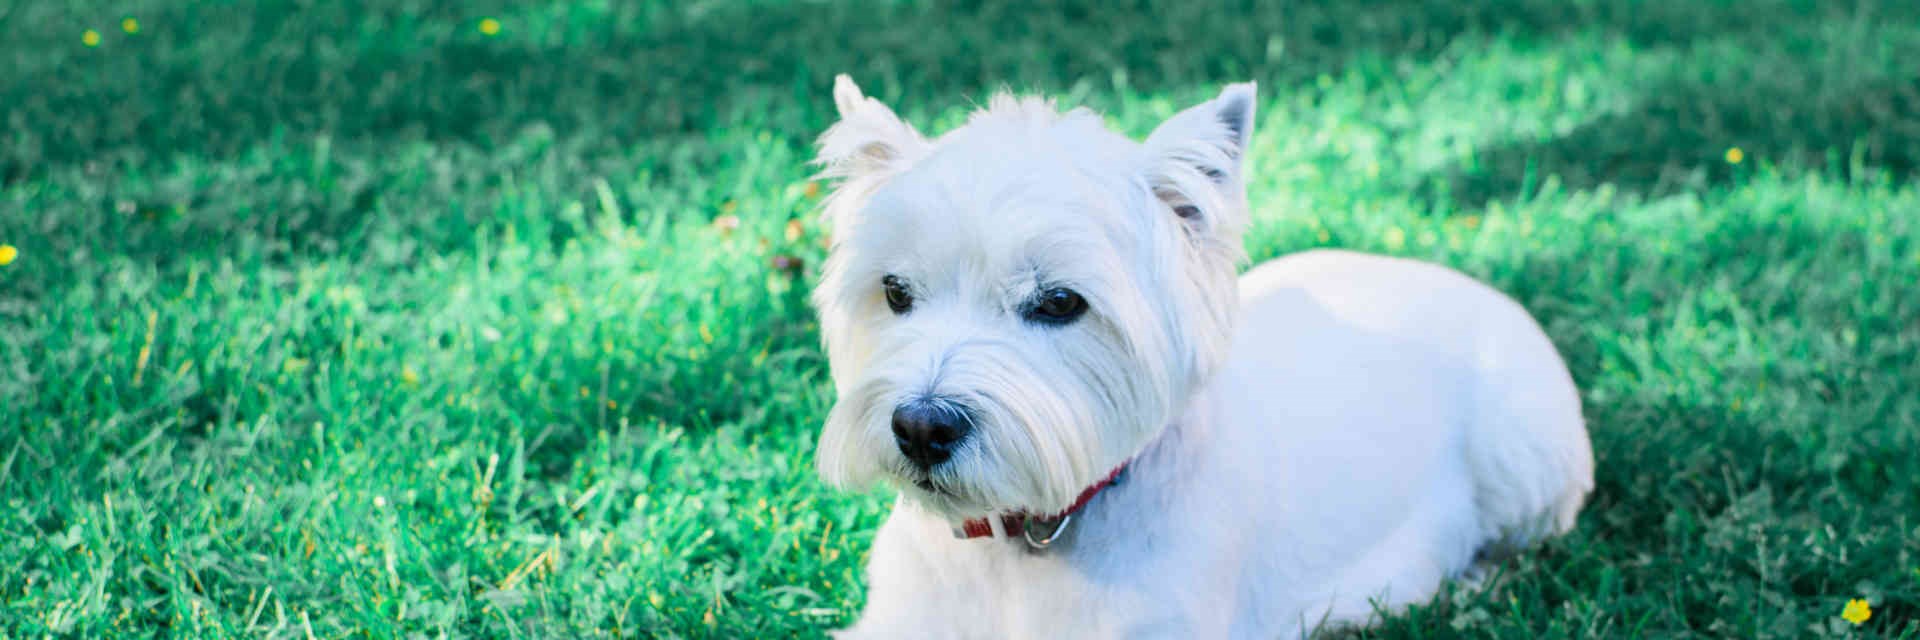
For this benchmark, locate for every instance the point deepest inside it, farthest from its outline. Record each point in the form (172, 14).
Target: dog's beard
(1039, 434)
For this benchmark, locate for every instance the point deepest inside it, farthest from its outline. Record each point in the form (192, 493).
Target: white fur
(1337, 431)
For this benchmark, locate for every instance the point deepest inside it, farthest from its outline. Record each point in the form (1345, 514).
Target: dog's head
(1018, 306)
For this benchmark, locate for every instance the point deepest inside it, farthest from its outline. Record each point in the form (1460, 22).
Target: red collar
(1019, 524)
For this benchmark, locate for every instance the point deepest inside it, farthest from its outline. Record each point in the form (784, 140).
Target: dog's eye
(1057, 306)
(898, 298)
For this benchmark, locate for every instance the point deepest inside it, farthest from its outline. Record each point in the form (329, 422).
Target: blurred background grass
(401, 317)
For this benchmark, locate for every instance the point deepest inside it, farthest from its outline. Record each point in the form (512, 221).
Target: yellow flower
(1735, 155)
(409, 376)
(90, 38)
(1396, 238)
(130, 25)
(490, 26)
(1857, 611)
(7, 254)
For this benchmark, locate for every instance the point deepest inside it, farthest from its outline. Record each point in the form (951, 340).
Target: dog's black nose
(927, 432)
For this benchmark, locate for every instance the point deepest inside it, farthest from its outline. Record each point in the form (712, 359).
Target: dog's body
(1337, 460)
(1342, 433)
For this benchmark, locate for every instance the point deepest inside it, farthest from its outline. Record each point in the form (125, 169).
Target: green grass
(345, 319)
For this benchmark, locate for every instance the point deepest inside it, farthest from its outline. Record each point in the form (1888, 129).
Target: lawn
(396, 318)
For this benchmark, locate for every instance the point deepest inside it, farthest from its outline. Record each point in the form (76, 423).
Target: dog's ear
(869, 145)
(869, 141)
(1197, 158)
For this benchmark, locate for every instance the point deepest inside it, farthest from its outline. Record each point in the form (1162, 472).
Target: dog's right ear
(869, 143)
(1198, 157)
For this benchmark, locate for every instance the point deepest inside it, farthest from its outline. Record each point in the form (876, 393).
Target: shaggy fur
(1327, 432)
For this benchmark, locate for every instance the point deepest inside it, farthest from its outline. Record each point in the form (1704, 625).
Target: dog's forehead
(1000, 191)
(995, 221)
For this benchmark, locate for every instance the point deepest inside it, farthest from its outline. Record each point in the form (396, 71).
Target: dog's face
(1019, 306)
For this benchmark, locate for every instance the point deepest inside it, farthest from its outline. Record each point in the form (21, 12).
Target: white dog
(1029, 306)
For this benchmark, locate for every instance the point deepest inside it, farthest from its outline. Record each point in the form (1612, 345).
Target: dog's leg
(913, 591)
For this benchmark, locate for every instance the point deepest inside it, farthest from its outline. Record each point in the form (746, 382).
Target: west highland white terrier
(1097, 430)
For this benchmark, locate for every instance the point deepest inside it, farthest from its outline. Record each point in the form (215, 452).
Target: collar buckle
(1041, 532)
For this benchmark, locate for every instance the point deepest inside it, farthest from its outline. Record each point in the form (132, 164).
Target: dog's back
(1528, 446)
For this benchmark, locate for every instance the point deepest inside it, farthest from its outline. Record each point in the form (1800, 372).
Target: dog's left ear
(860, 152)
(869, 141)
(1197, 157)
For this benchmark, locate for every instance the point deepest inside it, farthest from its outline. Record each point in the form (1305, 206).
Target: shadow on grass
(1684, 136)
(234, 76)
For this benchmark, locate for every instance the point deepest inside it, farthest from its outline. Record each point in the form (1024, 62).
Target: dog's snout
(928, 432)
